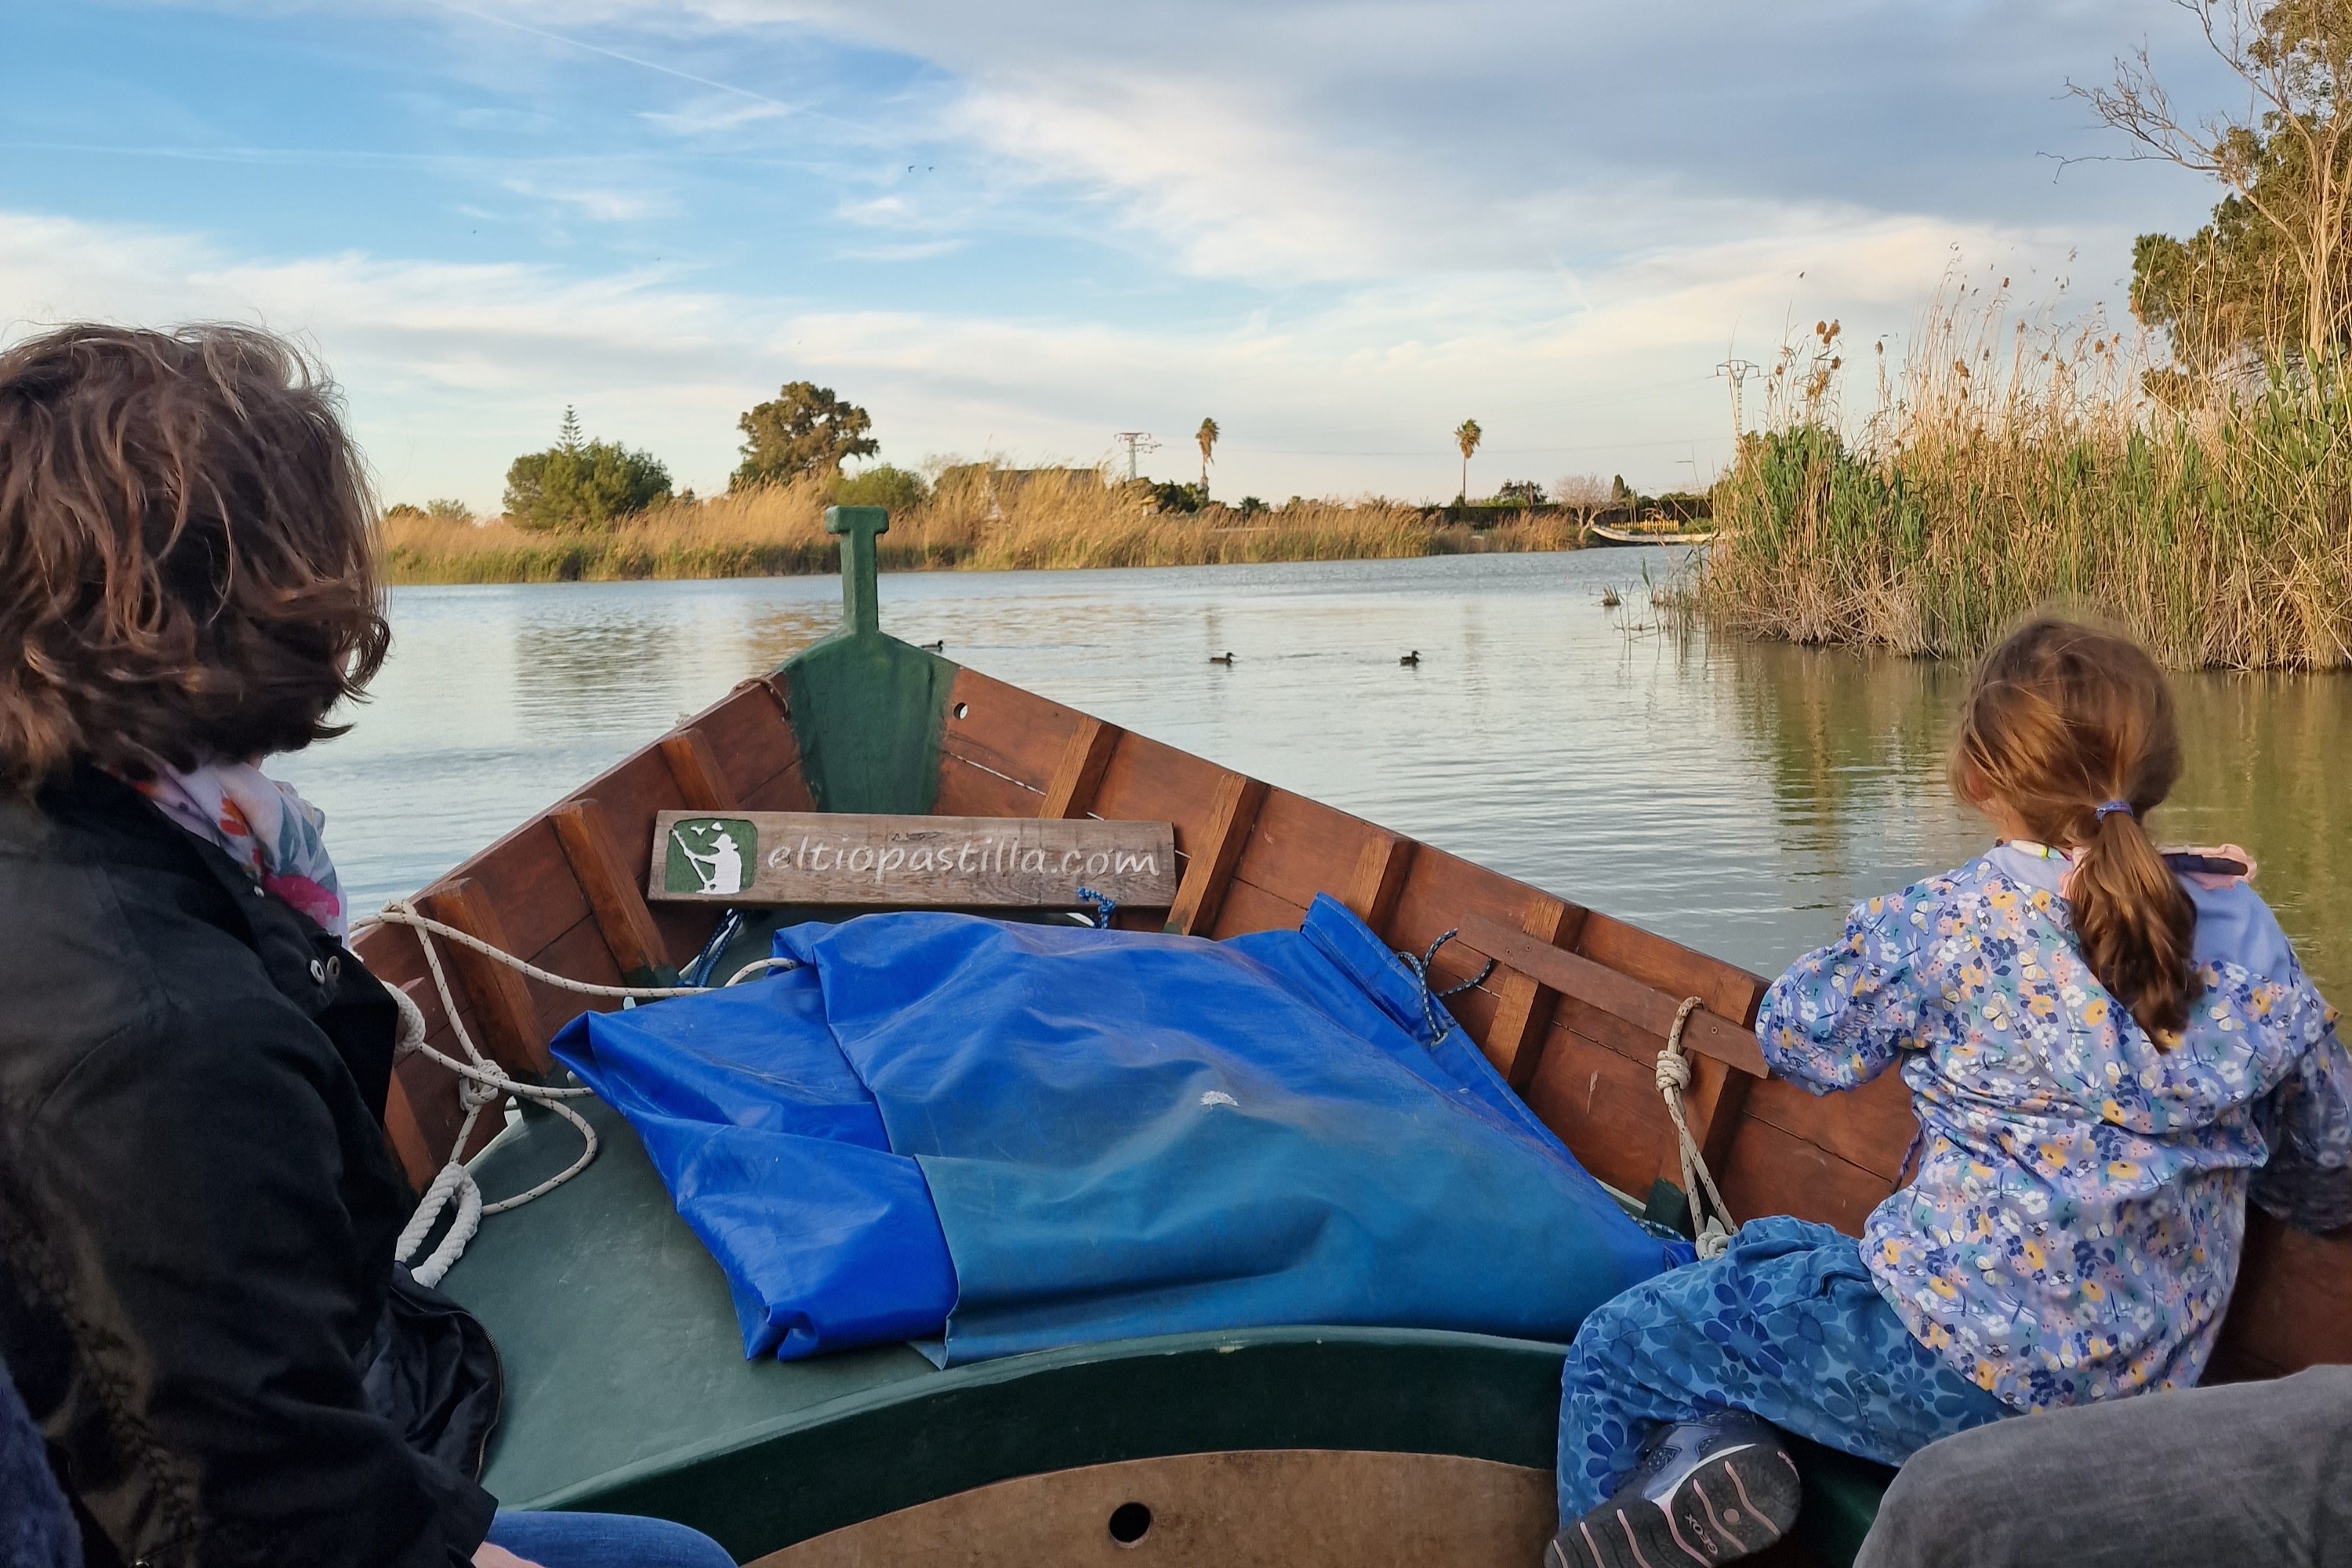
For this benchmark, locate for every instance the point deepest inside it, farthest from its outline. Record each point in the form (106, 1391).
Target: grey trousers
(2246, 1474)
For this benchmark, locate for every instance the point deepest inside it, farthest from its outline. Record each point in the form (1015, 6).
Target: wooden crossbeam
(1217, 850)
(1523, 1003)
(504, 1015)
(1649, 1010)
(1377, 881)
(1071, 792)
(619, 908)
(694, 763)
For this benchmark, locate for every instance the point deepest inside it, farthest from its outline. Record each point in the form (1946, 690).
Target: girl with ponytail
(2109, 1048)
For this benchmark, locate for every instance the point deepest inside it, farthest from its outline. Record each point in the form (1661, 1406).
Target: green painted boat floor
(626, 1386)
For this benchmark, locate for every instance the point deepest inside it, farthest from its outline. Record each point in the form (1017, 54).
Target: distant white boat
(1609, 535)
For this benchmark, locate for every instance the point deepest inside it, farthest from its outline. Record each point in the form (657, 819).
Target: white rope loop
(481, 1083)
(1713, 1230)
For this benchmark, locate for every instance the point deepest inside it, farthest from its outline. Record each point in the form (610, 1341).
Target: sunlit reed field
(2010, 466)
(977, 517)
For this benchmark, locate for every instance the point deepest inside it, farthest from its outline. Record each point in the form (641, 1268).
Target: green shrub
(883, 486)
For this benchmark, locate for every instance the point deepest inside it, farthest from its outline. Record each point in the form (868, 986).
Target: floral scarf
(265, 826)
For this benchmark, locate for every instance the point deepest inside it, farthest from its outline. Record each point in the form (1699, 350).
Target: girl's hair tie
(2114, 806)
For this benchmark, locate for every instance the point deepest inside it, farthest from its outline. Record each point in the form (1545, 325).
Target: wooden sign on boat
(769, 857)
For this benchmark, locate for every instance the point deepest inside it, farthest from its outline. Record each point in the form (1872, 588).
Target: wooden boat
(1609, 533)
(626, 1386)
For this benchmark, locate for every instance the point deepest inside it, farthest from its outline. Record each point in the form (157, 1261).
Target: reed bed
(2012, 465)
(980, 519)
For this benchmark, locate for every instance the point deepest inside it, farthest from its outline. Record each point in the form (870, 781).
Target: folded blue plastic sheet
(1004, 1138)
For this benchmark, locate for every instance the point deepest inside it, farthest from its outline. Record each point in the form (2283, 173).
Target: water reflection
(1739, 796)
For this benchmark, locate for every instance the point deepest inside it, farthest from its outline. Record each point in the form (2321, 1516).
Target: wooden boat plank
(1605, 1108)
(970, 789)
(1772, 1171)
(1255, 1508)
(1149, 781)
(788, 791)
(1442, 892)
(598, 865)
(1652, 1010)
(1248, 908)
(1078, 775)
(1524, 1006)
(1016, 732)
(1728, 991)
(1301, 848)
(507, 1026)
(525, 878)
(1871, 1126)
(1211, 855)
(703, 783)
(2293, 1307)
(750, 736)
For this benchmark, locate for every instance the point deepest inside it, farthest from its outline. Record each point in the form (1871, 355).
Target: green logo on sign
(711, 855)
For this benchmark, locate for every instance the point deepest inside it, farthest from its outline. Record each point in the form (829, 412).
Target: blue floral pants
(1787, 1325)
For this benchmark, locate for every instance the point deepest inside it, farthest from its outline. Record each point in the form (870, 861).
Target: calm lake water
(1736, 796)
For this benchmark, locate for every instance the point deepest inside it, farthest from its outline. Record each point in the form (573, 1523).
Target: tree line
(582, 483)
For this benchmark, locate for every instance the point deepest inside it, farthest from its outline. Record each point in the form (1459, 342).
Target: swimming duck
(939, 646)
(1225, 658)
(1412, 660)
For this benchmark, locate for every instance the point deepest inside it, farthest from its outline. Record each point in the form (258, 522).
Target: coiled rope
(480, 1082)
(1713, 1231)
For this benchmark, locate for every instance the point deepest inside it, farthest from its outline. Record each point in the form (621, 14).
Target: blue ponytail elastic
(2114, 806)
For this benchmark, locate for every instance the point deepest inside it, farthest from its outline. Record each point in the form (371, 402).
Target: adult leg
(604, 1540)
(1786, 1325)
(2245, 1473)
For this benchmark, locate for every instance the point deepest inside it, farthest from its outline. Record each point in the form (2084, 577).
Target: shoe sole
(1726, 1510)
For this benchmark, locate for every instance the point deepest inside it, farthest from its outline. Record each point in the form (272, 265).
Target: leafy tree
(882, 485)
(2272, 272)
(580, 484)
(1207, 435)
(1175, 495)
(1467, 436)
(804, 429)
(1520, 492)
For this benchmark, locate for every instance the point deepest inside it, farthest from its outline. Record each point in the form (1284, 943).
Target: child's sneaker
(1706, 1491)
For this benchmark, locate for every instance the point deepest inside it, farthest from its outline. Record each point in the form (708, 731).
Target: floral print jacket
(2074, 1228)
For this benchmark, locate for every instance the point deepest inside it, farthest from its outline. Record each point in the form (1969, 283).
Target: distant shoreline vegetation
(588, 509)
(2193, 485)
(974, 516)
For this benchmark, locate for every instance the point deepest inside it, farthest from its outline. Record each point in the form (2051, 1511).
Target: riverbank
(2007, 471)
(986, 520)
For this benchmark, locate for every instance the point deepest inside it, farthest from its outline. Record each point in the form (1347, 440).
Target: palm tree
(1208, 438)
(1466, 438)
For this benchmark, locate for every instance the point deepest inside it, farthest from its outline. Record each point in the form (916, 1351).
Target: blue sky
(1015, 229)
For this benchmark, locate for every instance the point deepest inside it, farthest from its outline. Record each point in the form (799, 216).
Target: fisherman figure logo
(711, 855)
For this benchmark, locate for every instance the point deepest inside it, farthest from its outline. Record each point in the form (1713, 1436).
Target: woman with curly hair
(197, 1206)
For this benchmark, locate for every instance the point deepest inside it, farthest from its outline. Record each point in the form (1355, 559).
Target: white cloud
(451, 369)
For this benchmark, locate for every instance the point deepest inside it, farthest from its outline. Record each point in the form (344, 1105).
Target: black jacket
(197, 1207)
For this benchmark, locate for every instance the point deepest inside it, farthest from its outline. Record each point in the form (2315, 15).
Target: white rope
(1714, 1235)
(481, 1083)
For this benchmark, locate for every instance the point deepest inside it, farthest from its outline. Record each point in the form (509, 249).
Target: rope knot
(1711, 1231)
(1673, 1072)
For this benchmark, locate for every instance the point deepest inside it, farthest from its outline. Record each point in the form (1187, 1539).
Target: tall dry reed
(978, 517)
(2011, 465)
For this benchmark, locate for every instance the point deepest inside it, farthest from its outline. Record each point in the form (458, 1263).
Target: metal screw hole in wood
(1130, 1523)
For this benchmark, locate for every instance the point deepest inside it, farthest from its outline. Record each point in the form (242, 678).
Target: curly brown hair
(188, 565)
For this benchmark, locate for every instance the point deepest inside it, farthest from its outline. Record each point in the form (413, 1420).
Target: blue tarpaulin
(1003, 1137)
